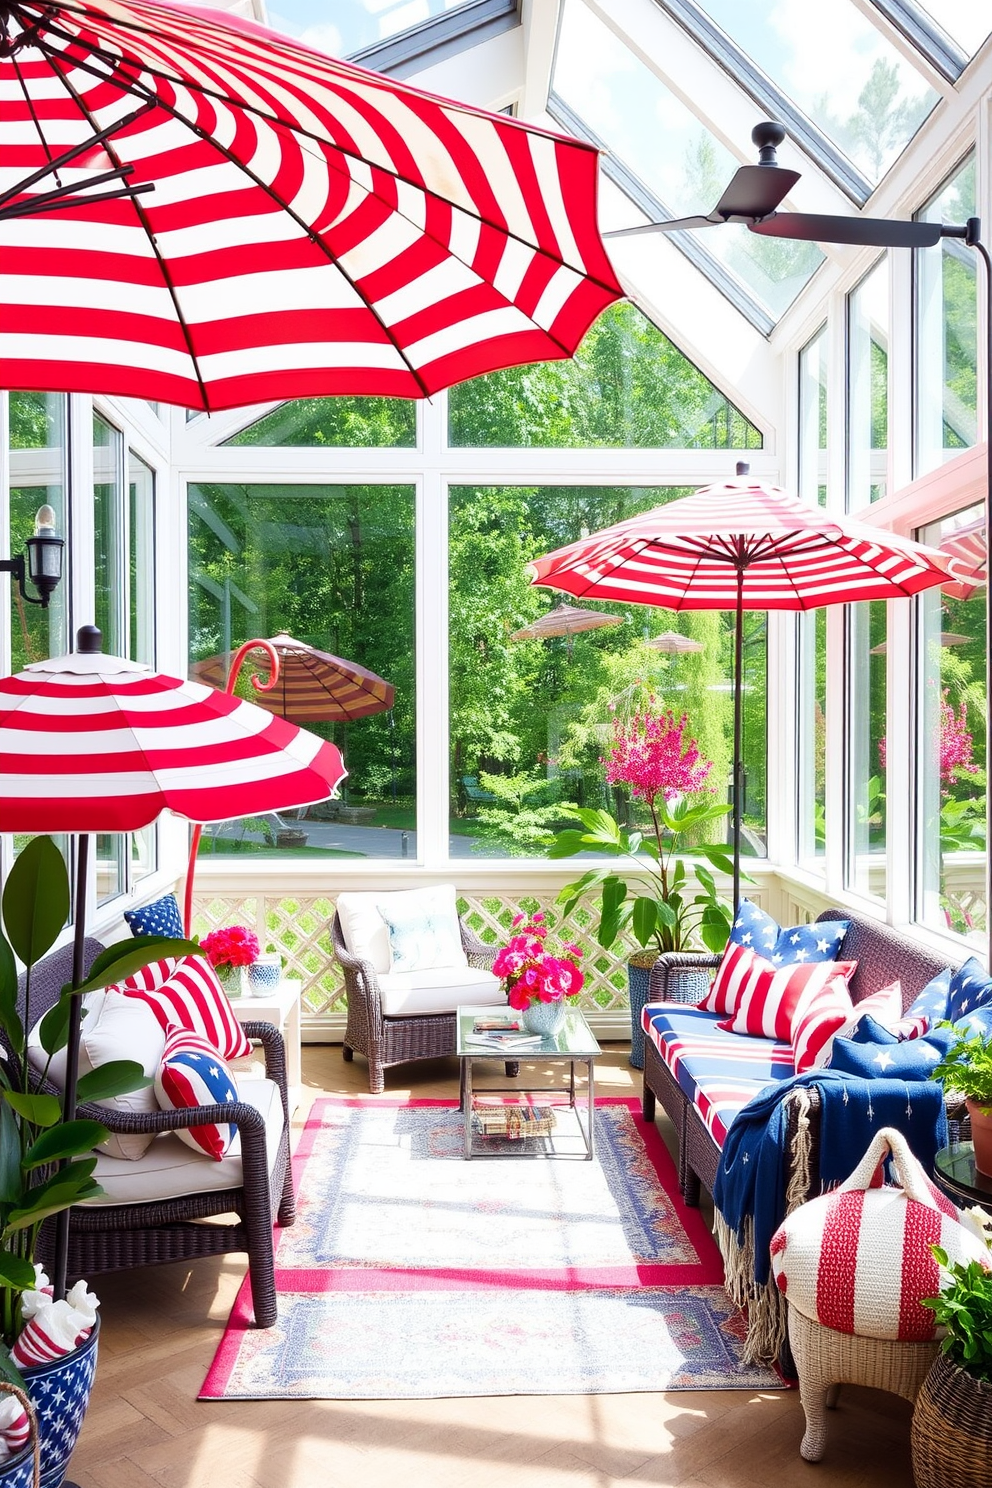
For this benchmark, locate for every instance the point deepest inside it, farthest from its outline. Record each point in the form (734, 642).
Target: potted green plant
(966, 1068)
(951, 1433)
(46, 1161)
(668, 902)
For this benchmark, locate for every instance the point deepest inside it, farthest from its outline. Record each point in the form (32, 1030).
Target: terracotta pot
(981, 1135)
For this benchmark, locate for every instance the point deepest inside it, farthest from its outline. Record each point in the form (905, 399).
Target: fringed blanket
(764, 1174)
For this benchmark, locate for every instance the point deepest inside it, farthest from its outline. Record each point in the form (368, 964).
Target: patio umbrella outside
(200, 211)
(564, 620)
(94, 743)
(312, 686)
(741, 546)
(674, 643)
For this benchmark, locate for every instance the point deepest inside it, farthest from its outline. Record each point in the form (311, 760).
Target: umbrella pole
(72, 1049)
(738, 786)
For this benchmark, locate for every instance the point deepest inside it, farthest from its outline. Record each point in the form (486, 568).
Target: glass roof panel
(350, 25)
(662, 142)
(967, 22)
(840, 70)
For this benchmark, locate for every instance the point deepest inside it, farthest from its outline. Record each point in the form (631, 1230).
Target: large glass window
(946, 330)
(37, 478)
(811, 813)
(310, 423)
(334, 567)
(529, 716)
(351, 25)
(666, 146)
(627, 387)
(813, 420)
(967, 23)
(141, 560)
(952, 709)
(868, 387)
(865, 741)
(109, 609)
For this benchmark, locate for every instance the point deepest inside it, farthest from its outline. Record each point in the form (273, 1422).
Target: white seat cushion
(170, 1169)
(410, 994)
(366, 933)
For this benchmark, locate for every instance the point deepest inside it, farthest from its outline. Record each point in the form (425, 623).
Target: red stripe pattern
(684, 556)
(764, 1000)
(186, 994)
(314, 228)
(193, 1074)
(91, 743)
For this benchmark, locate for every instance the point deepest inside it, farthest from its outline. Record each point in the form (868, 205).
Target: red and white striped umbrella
(741, 546)
(245, 219)
(94, 743)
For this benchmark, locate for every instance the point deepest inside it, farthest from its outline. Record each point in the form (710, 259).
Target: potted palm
(670, 904)
(951, 1433)
(966, 1069)
(46, 1161)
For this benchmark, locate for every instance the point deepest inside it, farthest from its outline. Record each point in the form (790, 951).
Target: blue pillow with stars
(931, 1002)
(970, 990)
(159, 918)
(868, 1030)
(818, 942)
(908, 1059)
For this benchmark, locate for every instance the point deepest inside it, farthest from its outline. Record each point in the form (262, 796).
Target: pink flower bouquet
(234, 945)
(531, 972)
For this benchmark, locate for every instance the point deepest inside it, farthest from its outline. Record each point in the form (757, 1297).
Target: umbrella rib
(145, 225)
(138, 88)
(34, 116)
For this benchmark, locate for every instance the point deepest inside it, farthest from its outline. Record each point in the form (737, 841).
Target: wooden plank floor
(146, 1429)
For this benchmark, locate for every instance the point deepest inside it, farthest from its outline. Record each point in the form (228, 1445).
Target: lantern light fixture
(44, 563)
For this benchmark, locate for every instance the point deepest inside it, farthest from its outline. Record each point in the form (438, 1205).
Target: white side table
(281, 1006)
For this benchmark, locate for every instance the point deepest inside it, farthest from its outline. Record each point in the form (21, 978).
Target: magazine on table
(504, 1040)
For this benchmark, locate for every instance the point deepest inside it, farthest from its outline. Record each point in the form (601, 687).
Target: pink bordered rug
(412, 1274)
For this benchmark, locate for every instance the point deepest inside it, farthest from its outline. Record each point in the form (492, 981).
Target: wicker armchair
(118, 1237)
(386, 1041)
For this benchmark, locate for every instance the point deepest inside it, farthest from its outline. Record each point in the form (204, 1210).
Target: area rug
(412, 1274)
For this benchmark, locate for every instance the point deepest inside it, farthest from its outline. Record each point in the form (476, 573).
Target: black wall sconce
(44, 566)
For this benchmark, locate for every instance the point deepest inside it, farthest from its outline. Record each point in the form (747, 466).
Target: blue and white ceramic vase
(264, 975)
(545, 1018)
(60, 1393)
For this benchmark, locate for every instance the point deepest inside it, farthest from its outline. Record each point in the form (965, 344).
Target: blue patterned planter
(60, 1393)
(18, 1472)
(545, 1018)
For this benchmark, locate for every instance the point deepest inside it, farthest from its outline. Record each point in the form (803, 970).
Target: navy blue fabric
(910, 1059)
(162, 917)
(819, 942)
(751, 1178)
(932, 1001)
(868, 1030)
(970, 990)
(979, 1022)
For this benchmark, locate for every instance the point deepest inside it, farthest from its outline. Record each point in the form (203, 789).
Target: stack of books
(514, 1121)
(501, 1033)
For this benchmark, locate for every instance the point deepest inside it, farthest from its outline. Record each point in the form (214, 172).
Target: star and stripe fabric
(161, 917)
(754, 927)
(313, 229)
(193, 1074)
(763, 1000)
(185, 993)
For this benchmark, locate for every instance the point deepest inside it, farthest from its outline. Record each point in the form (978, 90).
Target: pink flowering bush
(531, 972)
(670, 903)
(233, 946)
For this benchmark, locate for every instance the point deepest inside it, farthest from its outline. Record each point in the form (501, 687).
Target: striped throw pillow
(815, 1027)
(192, 1074)
(763, 1000)
(186, 994)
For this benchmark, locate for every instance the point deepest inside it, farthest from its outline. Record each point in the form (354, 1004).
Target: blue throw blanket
(751, 1178)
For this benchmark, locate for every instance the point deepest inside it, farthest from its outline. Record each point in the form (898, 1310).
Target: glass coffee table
(574, 1045)
(954, 1171)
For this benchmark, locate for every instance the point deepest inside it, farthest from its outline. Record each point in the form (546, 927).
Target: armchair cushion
(423, 930)
(366, 932)
(414, 994)
(193, 1074)
(161, 917)
(113, 1027)
(169, 1170)
(185, 993)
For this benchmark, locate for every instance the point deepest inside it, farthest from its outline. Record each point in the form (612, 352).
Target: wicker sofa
(251, 1190)
(882, 956)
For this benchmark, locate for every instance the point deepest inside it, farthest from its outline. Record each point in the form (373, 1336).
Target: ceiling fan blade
(871, 231)
(755, 191)
(675, 226)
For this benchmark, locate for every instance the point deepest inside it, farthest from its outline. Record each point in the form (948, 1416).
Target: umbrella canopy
(564, 619)
(741, 546)
(675, 644)
(312, 687)
(968, 546)
(203, 212)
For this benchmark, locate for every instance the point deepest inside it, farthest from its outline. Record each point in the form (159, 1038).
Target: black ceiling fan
(756, 190)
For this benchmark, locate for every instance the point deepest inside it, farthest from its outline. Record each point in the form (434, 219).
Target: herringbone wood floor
(146, 1429)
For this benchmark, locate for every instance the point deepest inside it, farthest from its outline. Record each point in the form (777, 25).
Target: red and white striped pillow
(186, 994)
(817, 1024)
(885, 1006)
(764, 1000)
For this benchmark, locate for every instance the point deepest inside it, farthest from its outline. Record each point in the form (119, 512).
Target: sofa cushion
(113, 1027)
(185, 993)
(412, 994)
(161, 917)
(817, 1023)
(365, 932)
(423, 929)
(931, 1002)
(719, 1074)
(970, 989)
(907, 1059)
(169, 1169)
(763, 1000)
(817, 942)
(191, 1074)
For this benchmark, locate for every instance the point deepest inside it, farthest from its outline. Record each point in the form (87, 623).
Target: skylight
(967, 22)
(664, 145)
(351, 25)
(839, 69)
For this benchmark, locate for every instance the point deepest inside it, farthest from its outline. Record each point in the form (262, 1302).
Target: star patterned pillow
(970, 990)
(931, 1003)
(192, 1074)
(905, 1059)
(162, 917)
(757, 930)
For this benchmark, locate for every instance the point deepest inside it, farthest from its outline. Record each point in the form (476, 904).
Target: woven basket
(952, 1429)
